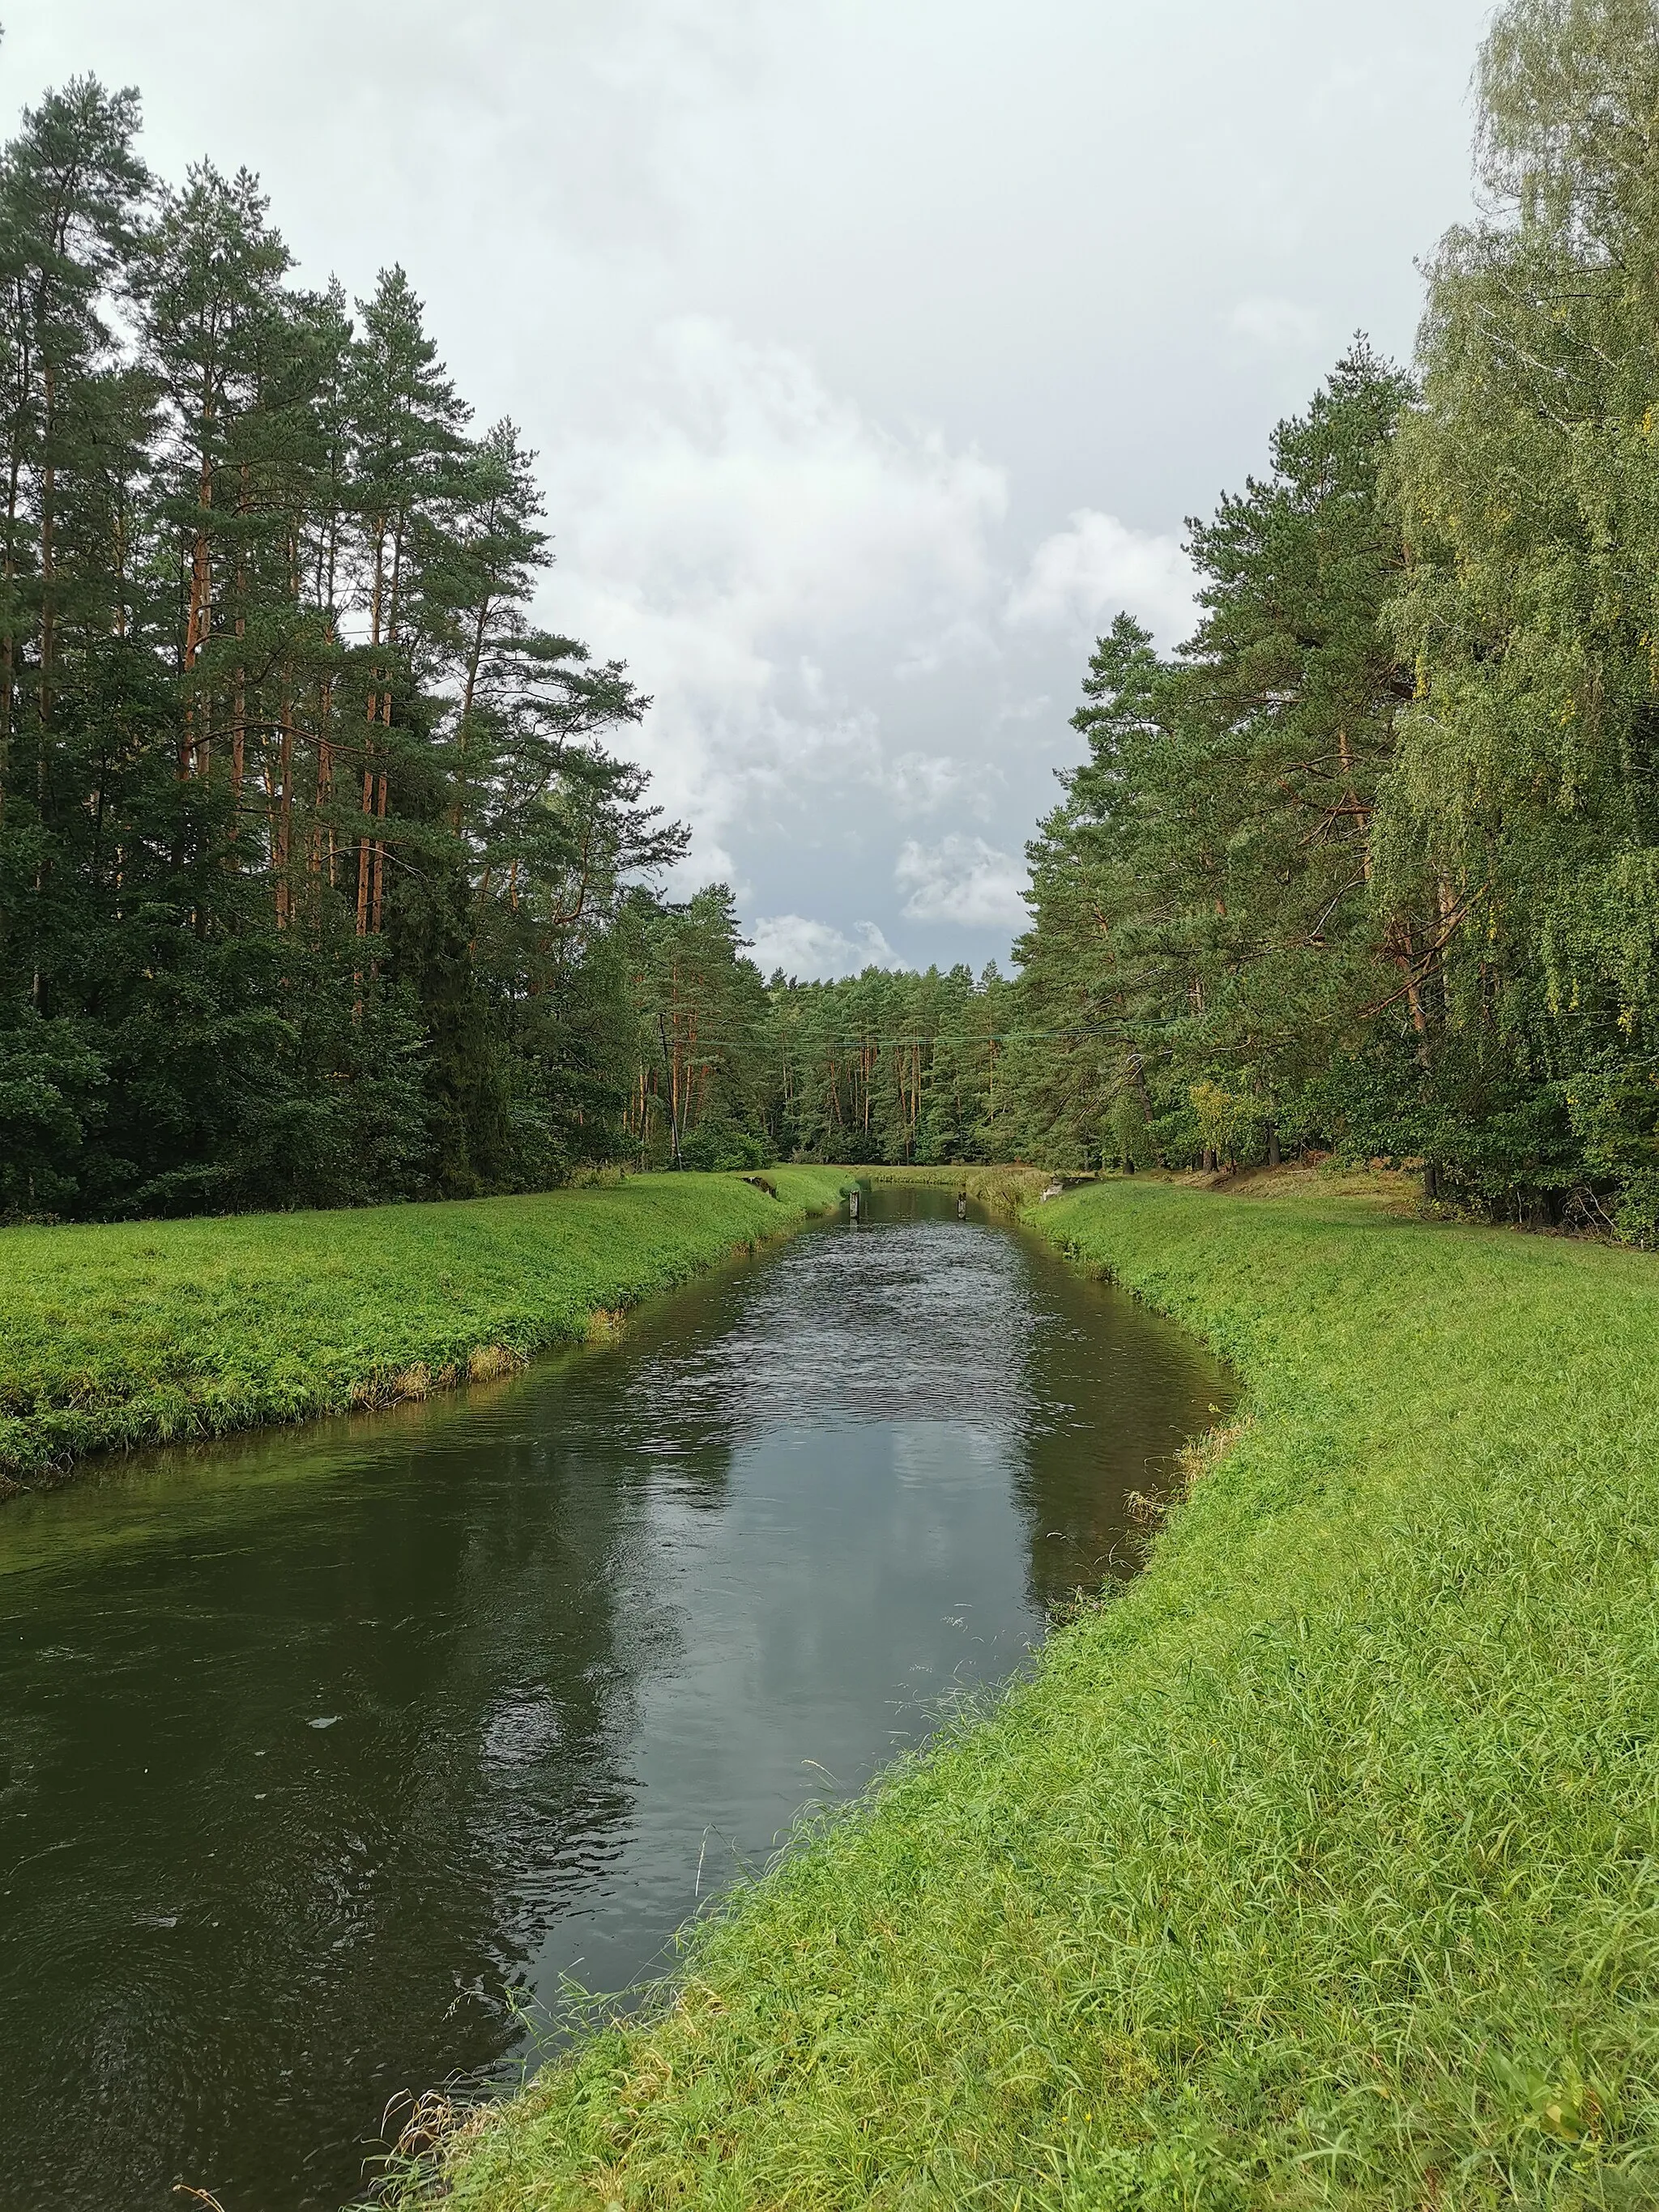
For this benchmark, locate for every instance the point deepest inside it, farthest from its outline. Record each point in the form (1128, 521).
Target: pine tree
(312, 854)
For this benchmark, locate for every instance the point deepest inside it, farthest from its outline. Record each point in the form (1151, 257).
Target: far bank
(115, 1336)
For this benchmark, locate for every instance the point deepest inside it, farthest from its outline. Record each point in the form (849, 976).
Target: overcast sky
(875, 350)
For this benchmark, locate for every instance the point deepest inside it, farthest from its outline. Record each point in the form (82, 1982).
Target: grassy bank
(127, 1334)
(1321, 1869)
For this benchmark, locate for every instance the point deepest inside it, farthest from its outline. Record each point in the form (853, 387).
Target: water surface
(322, 1750)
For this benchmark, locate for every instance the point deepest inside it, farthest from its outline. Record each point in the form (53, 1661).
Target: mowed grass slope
(138, 1332)
(1321, 1869)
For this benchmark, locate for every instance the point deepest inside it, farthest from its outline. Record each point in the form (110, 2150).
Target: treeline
(1372, 863)
(886, 1067)
(317, 882)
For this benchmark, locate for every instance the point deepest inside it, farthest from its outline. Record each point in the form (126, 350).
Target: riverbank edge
(119, 1336)
(1009, 1190)
(1310, 1870)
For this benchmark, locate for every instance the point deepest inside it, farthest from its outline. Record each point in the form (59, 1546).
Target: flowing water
(324, 1751)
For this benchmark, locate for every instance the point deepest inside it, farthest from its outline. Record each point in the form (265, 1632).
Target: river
(327, 1753)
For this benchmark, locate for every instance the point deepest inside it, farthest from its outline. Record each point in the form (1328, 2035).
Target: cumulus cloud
(843, 649)
(1275, 325)
(815, 950)
(921, 783)
(1097, 567)
(741, 538)
(961, 879)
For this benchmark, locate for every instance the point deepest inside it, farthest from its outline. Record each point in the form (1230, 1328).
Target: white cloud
(963, 643)
(1276, 325)
(921, 783)
(748, 542)
(961, 880)
(813, 949)
(710, 861)
(878, 214)
(1097, 567)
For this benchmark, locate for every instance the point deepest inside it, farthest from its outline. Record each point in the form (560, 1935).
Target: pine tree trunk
(365, 860)
(282, 835)
(380, 861)
(463, 731)
(9, 644)
(48, 643)
(322, 829)
(198, 618)
(48, 553)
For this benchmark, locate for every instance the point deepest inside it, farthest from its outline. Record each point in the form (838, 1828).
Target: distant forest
(321, 880)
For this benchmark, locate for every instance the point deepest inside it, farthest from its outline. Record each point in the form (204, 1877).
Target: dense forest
(322, 879)
(318, 881)
(1374, 862)
(1372, 865)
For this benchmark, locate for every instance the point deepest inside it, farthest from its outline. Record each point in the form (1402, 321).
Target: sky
(875, 350)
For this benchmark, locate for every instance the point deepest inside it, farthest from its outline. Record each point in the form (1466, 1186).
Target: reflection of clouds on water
(911, 1321)
(972, 1455)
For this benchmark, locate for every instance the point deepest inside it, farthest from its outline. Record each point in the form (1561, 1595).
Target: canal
(330, 1756)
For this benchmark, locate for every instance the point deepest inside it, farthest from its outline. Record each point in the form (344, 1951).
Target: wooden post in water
(853, 1204)
(962, 1205)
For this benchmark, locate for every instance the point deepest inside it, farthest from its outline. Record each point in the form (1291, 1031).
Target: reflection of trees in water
(533, 1702)
(1089, 1394)
(1116, 1391)
(914, 1315)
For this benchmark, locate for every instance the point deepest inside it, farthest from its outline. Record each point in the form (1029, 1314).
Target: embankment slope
(118, 1335)
(1321, 1869)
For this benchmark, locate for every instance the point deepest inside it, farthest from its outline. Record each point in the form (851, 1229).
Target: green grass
(1321, 1869)
(146, 1331)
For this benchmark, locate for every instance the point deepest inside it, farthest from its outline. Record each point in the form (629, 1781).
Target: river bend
(324, 1750)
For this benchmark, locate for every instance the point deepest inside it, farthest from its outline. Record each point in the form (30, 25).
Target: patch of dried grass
(1202, 1456)
(487, 1361)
